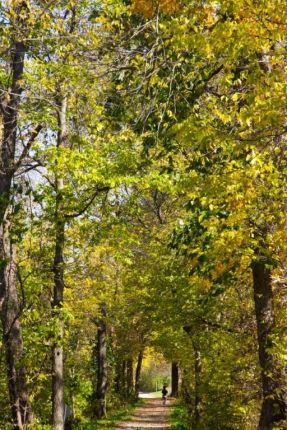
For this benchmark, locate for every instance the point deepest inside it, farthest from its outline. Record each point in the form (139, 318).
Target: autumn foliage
(149, 8)
(143, 162)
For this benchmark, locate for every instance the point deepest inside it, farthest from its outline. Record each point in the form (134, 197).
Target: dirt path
(151, 415)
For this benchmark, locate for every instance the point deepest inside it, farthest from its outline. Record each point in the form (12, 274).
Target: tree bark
(102, 371)
(130, 377)
(123, 381)
(57, 350)
(124, 374)
(10, 120)
(274, 405)
(174, 379)
(197, 382)
(10, 309)
(185, 389)
(138, 373)
(195, 408)
(59, 285)
(118, 377)
(13, 342)
(10, 111)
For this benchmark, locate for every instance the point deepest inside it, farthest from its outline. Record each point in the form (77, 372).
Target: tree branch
(27, 148)
(88, 204)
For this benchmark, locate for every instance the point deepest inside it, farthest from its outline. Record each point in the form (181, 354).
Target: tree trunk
(195, 411)
(274, 404)
(130, 377)
(118, 377)
(185, 389)
(10, 120)
(197, 381)
(102, 374)
(9, 303)
(174, 379)
(13, 342)
(123, 382)
(58, 387)
(57, 350)
(138, 373)
(58, 296)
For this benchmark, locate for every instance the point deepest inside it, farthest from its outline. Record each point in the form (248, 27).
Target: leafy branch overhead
(143, 212)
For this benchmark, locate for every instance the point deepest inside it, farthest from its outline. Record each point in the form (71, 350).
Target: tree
(18, 16)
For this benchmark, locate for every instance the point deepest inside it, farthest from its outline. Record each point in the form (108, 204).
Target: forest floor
(151, 414)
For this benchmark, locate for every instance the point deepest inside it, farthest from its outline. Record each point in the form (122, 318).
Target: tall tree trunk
(130, 377)
(274, 405)
(195, 407)
(174, 379)
(102, 372)
(13, 342)
(124, 377)
(138, 372)
(118, 377)
(57, 350)
(185, 389)
(58, 296)
(9, 303)
(197, 382)
(10, 120)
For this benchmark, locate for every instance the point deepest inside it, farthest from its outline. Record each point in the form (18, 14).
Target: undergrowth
(180, 419)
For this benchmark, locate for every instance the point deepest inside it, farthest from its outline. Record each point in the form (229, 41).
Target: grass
(179, 417)
(112, 419)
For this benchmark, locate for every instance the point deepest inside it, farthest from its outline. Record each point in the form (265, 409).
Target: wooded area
(143, 201)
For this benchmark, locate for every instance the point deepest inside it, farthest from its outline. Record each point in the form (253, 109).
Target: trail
(150, 415)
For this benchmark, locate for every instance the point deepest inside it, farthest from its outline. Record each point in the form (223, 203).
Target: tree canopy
(143, 210)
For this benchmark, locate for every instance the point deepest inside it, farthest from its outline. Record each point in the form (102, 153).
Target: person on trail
(164, 394)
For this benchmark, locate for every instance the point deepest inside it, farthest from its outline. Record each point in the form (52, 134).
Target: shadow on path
(152, 414)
